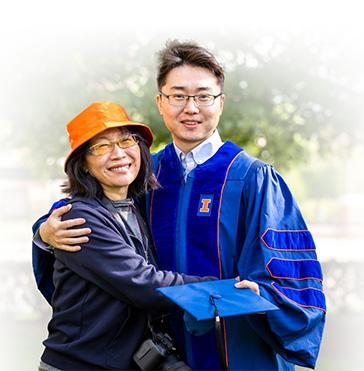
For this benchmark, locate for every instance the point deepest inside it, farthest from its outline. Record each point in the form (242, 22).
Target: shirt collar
(205, 150)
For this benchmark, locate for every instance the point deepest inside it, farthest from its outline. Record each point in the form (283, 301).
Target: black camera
(159, 353)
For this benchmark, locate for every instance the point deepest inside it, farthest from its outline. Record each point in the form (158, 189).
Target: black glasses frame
(187, 97)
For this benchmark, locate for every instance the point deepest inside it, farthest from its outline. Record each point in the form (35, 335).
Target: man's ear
(222, 100)
(159, 103)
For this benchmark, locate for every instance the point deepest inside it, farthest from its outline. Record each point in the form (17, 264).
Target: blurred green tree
(287, 96)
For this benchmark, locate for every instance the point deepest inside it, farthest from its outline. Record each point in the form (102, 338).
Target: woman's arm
(110, 262)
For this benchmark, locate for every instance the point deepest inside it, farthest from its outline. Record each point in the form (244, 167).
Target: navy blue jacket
(102, 295)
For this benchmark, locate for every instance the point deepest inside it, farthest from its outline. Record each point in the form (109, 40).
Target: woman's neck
(114, 196)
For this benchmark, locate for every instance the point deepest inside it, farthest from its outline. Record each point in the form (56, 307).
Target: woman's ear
(84, 167)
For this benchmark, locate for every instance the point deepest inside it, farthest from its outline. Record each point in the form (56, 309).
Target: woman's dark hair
(177, 54)
(85, 185)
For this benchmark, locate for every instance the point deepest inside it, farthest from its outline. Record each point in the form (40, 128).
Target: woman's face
(117, 169)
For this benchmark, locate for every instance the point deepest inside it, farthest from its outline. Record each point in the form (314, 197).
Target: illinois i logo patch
(205, 205)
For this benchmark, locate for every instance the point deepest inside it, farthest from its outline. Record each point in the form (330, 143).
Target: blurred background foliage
(290, 97)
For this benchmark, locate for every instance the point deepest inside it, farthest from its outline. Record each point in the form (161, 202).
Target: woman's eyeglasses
(105, 147)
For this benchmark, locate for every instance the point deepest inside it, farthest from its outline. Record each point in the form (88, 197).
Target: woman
(104, 292)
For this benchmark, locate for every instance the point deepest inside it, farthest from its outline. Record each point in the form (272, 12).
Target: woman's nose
(118, 151)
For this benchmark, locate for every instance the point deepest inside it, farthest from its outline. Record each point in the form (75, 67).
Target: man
(221, 212)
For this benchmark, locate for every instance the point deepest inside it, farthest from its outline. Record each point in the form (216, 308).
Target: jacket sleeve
(109, 262)
(43, 260)
(280, 255)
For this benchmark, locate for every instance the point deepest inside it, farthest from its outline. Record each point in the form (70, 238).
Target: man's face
(190, 124)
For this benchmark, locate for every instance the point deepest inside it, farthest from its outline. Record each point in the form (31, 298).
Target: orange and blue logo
(205, 205)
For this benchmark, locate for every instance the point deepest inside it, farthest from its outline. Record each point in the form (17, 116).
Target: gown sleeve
(43, 260)
(280, 255)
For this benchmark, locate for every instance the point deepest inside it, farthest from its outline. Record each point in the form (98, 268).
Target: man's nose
(191, 106)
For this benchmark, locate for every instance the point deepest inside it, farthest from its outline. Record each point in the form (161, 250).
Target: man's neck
(186, 147)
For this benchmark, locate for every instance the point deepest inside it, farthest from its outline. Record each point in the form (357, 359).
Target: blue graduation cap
(203, 298)
(215, 299)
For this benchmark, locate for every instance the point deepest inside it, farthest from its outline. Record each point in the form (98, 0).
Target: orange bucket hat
(98, 117)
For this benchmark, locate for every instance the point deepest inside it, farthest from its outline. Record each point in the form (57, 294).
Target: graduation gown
(235, 216)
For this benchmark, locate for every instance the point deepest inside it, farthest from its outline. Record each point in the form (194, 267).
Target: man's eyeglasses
(105, 147)
(182, 99)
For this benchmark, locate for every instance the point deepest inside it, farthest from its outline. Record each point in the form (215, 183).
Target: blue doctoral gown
(235, 216)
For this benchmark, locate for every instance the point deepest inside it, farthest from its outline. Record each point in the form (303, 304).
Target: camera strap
(218, 332)
(150, 326)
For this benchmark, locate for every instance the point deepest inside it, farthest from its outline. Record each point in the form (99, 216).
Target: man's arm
(280, 256)
(56, 232)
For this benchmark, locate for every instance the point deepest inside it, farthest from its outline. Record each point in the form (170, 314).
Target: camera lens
(174, 363)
